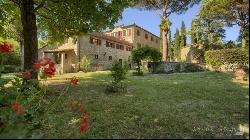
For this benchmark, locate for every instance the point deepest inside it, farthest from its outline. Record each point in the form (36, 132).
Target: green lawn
(183, 105)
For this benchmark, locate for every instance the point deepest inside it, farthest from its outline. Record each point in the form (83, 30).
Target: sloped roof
(59, 50)
(111, 38)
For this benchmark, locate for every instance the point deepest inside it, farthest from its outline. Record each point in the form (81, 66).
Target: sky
(150, 21)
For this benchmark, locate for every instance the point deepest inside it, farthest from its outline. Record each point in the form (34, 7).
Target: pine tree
(177, 45)
(183, 35)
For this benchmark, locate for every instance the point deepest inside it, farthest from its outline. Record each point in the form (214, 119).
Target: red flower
(81, 108)
(5, 47)
(84, 126)
(19, 110)
(46, 66)
(74, 81)
(15, 105)
(27, 75)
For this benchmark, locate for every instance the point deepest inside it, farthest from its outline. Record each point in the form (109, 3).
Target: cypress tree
(177, 45)
(183, 35)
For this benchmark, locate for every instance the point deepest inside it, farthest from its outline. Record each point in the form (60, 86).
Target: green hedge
(227, 56)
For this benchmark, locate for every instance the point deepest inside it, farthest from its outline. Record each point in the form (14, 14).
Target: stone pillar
(63, 62)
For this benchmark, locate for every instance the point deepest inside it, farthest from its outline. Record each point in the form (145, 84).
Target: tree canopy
(56, 19)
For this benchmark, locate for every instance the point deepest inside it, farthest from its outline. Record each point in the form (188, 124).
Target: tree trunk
(164, 46)
(28, 18)
(243, 38)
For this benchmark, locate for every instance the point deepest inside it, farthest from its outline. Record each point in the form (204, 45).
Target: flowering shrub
(25, 102)
(5, 47)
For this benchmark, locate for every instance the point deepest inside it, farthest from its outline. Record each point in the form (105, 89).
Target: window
(156, 40)
(124, 33)
(138, 45)
(120, 60)
(116, 34)
(107, 44)
(112, 45)
(121, 47)
(119, 33)
(152, 38)
(96, 56)
(117, 46)
(95, 41)
(91, 40)
(146, 36)
(110, 57)
(128, 48)
(138, 33)
(99, 42)
(129, 32)
(66, 56)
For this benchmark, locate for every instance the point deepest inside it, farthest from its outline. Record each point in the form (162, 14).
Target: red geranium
(19, 110)
(5, 47)
(84, 126)
(46, 65)
(27, 75)
(74, 81)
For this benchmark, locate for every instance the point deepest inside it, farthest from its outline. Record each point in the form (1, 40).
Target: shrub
(118, 72)
(221, 57)
(145, 53)
(85, 64)
(189, 67)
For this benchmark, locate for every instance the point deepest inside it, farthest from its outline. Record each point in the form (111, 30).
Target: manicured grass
(183, 105)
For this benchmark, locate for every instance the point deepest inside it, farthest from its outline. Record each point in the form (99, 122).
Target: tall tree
(170, 46)
(164, 8)
(183, 35)
(192, 33)
(59, 19)
(231, 12)
(177, 45)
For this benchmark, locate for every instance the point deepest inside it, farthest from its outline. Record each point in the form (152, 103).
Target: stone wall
(103, 62)
(135, 39)
(191, 55)
(173, 67)
(142, 40)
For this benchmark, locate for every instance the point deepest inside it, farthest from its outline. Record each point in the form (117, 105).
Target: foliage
(164, 9)
(227, 56)
(118, 72)
(227, 12)
(44, 15)
(192, 68)
(85, 64)
(183, 35)
(177, 48)
(170, 46)
(165, 24)
(145, 53)
(24, 103)
(13, 57)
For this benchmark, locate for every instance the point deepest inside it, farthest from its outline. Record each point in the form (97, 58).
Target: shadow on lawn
(235, 111)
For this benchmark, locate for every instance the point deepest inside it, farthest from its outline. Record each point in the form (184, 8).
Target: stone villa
(102, 48)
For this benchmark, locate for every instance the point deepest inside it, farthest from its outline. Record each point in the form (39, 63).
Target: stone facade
(101, 48)
(136, 35)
